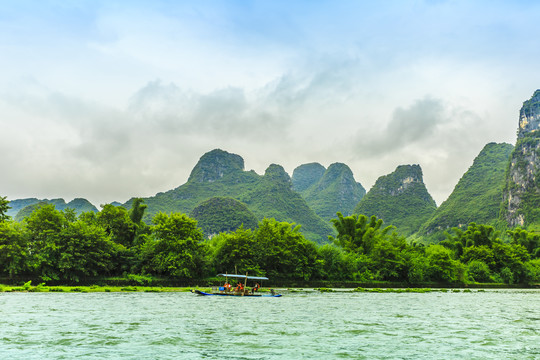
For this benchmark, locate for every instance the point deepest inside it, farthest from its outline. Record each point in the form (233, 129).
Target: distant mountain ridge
(221, 174)
(79, 205)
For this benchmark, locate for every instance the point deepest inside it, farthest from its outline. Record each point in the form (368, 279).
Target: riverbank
(150, 282)
(28, 287)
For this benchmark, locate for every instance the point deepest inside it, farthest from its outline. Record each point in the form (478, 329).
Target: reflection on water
(498, 324)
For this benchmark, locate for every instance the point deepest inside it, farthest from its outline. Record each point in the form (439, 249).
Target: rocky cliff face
(529, 115)
(400, 199)
(521, 196)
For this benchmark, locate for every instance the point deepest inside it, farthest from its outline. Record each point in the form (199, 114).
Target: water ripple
(479, 325)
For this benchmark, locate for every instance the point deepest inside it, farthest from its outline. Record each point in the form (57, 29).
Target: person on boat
(239, 287)
(227, 286)
(255, 288)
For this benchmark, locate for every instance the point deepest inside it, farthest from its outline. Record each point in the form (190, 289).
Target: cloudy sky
(112, 99)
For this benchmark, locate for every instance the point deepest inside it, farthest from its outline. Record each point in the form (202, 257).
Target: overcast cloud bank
(107, 101)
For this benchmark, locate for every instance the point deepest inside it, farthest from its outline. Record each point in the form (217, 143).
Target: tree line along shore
(61, 247)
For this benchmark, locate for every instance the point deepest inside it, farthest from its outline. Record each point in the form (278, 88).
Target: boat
(241, 289)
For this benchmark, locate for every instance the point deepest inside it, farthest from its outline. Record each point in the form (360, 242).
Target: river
(493, 324)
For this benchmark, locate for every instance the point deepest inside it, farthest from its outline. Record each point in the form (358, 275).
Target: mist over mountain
(501, 187)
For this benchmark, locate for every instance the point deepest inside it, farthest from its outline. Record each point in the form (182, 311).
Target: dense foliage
(59, 245)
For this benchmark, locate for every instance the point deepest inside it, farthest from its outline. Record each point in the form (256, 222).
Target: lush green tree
(236, 250)
(13, 249)
(442, 268)
(389, 259)
(335, 264)
(481, 253)
(45, 220)
(474, 235)
(532, 271)
(510, 259)
(137, 210)
(418, 266)
(63, 249)
(70, 214)
(357, 233)
(4, 207)
(285, 252)
(118, 224)
(178, 249)
(479, 271)
(529, 240)
(83, 250)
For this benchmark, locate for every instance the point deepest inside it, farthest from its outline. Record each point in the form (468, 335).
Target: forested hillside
(477, 195)
(400, 199)
(222, 214)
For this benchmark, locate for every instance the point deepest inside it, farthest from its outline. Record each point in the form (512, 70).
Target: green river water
(495, 324)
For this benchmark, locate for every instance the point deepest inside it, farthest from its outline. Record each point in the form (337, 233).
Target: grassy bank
(28, 287)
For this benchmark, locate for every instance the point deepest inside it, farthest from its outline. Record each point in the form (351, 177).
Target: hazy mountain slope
(79, 205)
(477, 195)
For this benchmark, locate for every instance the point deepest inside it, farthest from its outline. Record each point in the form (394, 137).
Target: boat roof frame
(239, 276)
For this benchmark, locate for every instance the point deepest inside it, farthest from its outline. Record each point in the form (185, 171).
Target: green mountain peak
(214, 165)
(304, 176)
(529, 115)
(330, 191)
(400, 199)
(278, 174)
(521, 196)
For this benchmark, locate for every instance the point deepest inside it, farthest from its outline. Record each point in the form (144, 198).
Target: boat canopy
(244, 276)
